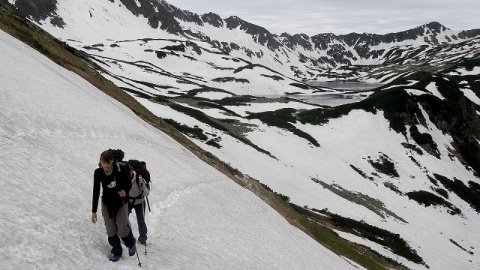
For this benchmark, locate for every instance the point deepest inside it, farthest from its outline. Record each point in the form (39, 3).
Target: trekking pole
(148, 204)
(143, 209)
(130, 227)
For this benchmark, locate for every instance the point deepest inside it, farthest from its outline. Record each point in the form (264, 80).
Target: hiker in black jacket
(114, 179)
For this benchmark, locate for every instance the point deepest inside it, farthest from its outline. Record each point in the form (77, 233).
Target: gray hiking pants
(116, 226)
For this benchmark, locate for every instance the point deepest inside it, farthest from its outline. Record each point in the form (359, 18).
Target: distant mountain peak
(436, 27)
(234, 21)
(212, 19)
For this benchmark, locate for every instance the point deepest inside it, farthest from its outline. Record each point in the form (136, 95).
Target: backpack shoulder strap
(138, 179)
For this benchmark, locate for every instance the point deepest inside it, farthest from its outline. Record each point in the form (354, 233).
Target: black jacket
(111, 185)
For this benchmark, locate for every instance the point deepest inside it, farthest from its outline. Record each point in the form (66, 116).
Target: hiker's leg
(110, 221)
(111, 227)
(142, 226)
(114, 241)
(123, 227)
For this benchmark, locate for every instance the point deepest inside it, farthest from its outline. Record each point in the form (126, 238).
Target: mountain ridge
(341, 50)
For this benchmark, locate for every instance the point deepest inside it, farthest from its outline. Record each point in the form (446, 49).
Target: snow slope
(54, 125)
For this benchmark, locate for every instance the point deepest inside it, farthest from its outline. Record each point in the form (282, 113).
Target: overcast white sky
(342, 16)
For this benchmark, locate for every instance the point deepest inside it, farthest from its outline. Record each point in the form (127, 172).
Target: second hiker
(137, 195)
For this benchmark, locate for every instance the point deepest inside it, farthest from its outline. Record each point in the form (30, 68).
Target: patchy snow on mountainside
(54, 125)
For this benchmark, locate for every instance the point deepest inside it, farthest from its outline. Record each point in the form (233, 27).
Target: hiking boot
(132, 250)
(115, 258)
(142, 242)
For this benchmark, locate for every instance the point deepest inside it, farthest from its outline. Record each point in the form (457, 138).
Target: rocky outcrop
(213, 19)
(37, 9)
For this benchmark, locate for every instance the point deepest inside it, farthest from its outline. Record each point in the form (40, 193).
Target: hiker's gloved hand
(122, 193)
(94, 217)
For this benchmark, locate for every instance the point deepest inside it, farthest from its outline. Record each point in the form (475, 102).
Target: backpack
(118, 154)
(140, 167)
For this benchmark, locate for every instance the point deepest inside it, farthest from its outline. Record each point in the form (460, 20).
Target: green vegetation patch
(249, 66)
(442, 192)
(377, 235)
(282, 197)
(399, 108)
(204, 89)
(136, 93)
(177, 48)
(215, 123)
(200, 116)
(194, 132)
(301, 85)
(210, 104)
(425, 140)
(321, 116)
(214, 143)
(236, 100)
(384, 165)
(283, 118)
(230, 79)
(462, 248)
(470, 194)
(392, 187)
(427, 199)
(320, 226)
(362, 173)
(274, 77)
(372, 204)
